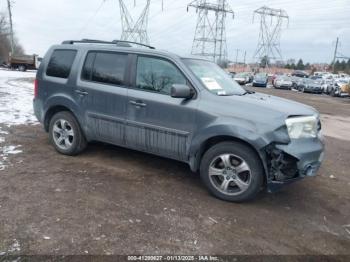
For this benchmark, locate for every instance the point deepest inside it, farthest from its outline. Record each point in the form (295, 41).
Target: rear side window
(105, 67)
(60, 63)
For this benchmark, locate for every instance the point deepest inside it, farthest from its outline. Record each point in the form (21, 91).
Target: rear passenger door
(102, 95)
(156, 122)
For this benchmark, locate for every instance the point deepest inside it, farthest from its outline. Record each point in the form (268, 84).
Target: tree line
(5, 41)
(339, 66)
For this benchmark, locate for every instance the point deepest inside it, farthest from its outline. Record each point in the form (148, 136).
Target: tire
(215, 173)
(332, 93)
(66, 135)
(22, 68)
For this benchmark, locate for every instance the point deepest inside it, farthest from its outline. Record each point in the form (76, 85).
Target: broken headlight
(302, 127)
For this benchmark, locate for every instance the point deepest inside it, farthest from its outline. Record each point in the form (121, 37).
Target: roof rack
(114, 42)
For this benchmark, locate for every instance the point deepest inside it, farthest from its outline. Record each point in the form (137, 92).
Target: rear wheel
(66, 135)
(232, 171)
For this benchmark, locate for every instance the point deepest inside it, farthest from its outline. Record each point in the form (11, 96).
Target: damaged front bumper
(294, 161)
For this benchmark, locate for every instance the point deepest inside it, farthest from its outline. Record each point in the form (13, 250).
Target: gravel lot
(111, 200)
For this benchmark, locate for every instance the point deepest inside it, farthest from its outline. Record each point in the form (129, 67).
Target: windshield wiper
(248, 93)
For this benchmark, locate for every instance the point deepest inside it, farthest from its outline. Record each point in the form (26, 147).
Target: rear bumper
(283, 87)
(38, 111)
(318, 90)
(260, 84)
(302, 158)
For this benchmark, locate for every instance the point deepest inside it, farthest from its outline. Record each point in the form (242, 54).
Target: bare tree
(5, 43)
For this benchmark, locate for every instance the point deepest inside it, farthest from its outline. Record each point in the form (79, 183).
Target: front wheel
(232, 171)
(66, 135)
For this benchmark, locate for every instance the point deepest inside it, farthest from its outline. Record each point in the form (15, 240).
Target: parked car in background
(283, 82)
(309, 85)
(327, 85)
(273, 78)
(299, 74)
(232, 74)
(295, 80)
(242, 78)
(261, 79)
(340, 88)
(238, 140)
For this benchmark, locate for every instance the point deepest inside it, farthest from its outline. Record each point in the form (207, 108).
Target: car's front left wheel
(66, 135)
(232, 171)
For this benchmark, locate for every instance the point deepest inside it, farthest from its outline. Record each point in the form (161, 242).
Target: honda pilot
(184, 108)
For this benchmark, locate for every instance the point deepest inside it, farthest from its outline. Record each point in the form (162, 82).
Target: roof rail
(114, 42)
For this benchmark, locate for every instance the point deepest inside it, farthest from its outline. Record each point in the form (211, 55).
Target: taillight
(36, 88)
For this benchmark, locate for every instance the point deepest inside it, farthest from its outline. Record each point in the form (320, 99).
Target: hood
(260, 107)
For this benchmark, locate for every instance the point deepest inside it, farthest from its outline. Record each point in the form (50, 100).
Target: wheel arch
(60, 103)
(51, 112)
(207, 143)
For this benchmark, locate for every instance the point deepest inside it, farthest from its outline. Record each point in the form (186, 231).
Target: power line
(92, 17)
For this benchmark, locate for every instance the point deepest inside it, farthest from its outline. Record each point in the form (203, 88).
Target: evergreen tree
(300, 65)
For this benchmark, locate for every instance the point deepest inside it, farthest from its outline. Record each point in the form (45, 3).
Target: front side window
(157, 75)
(105, 67)
(60, 63)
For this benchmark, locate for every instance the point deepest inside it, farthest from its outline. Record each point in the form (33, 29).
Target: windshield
(214, 78)
(242, 75)
(260, 75)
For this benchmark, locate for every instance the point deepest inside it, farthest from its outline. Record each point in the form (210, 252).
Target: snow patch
(15, 247)
(16, 98)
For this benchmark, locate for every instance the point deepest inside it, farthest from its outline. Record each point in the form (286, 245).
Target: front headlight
(302, 127)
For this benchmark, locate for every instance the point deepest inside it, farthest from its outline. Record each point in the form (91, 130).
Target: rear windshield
(60, 63)
(214, 79)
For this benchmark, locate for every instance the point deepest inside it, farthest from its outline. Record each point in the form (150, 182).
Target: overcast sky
(311, 34)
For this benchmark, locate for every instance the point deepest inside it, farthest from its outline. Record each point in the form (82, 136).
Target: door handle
(137, 103)
(81, 92)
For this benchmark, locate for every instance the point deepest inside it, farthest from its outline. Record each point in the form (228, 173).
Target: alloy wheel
(230, 174)
(63, 134)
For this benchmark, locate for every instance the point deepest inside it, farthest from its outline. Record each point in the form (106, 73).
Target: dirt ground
(111, 200)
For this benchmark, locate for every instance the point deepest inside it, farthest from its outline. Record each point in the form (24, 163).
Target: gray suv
(183, 108)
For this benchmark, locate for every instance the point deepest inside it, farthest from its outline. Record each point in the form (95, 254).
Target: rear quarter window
(60, 63)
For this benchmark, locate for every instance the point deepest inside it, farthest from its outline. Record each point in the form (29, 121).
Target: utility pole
(210, 34)
(271, 21)
(237, 51)
(11, 26)
(335, 53)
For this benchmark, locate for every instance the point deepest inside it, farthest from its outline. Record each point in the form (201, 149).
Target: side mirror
(180, 91)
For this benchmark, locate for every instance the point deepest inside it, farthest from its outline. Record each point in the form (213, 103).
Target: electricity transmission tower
(134, 31)
(210, 35)
(271, 21)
